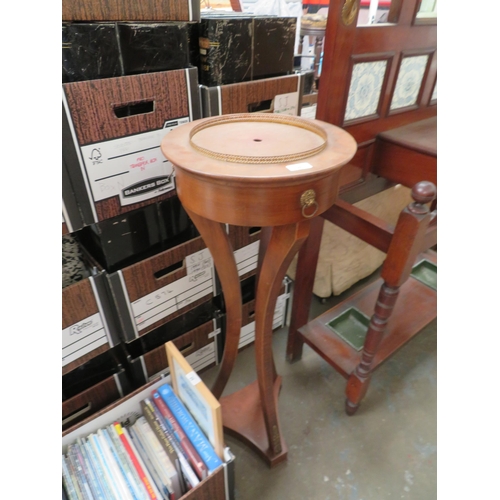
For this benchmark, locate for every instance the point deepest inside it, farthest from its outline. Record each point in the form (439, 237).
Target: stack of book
(164, 451)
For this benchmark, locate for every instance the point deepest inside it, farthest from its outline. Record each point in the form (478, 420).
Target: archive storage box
(112, 130)
(238, 48)
(272, 95)
(247, 334)
(217, 486)
(146, 10)
(91, 387)
(195, 334)
(88, 326)
(151, 292)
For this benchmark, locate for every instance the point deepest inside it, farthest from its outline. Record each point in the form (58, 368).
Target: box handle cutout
(77, 413)
(169, 269)
(187, 348)
(261, 106)
(134, 108)
(254, 230)
(251, 314)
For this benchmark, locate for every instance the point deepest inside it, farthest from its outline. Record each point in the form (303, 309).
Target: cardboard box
(219, 485)
(91, 387)
(112, 131)
(154, 291)
(88, 322)
(237, 48)
(146, 10)
(195, 334)
(247, 335)
(271, 95)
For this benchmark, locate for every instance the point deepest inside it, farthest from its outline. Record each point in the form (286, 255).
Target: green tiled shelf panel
(426, 272)
(351, 326)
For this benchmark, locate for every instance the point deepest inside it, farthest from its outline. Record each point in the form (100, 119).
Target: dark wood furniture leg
(406, 244)
(303, 288)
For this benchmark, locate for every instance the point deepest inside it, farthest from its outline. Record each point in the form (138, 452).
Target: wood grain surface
(127, 10)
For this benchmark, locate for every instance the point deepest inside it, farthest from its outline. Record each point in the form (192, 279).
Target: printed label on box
(246, 258)
(165, 301)
(247, 333)
(132, 167)
(287, 104)
(82, 338)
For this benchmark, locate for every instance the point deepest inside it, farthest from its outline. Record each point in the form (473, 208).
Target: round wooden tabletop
(253, 168)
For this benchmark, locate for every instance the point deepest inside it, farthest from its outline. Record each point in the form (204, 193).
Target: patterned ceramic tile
(434, 95)
(410, 77)
(365, 89)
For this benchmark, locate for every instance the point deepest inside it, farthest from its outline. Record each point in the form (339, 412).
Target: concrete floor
(386, 451)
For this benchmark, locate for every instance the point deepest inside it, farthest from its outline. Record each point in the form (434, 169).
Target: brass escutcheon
(308, 199)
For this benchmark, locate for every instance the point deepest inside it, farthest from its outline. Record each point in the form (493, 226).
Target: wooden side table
(268, 170)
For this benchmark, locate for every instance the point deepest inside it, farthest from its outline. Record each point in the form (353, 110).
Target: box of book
(146, 10)
(160, 288)
(152, 444)
(93, 386)
(239, 47)
(112, 130)
(88, 325)
(195, 334)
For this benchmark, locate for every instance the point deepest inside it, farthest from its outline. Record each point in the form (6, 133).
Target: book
(126, 467)
(191, 428)
(135, 461)
(105, 467)
(82, 482)
(197, 398)
(117, 477)
(186, 473)
(157, 483)
(98, 469)
(67, 480)
(192, 455)
(88, 471)
(159, 459)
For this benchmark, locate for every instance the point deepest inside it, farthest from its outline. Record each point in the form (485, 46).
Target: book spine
(105, 465)
(126, 465)
(192, 455)
(135, 462)
(67, 480)
(191, 428)
(88, 471)
(119, 470)
(156, 454)
(154, 423)
(118, 480)
(99, 472)
(157, 483)
(80, 477)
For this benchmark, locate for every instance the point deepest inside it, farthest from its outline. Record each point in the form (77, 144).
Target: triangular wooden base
(243, 418)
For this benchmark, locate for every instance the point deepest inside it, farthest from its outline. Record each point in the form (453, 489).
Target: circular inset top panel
(260, 147)
(260, 139)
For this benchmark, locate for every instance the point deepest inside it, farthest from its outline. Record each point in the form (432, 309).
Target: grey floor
(386, 451)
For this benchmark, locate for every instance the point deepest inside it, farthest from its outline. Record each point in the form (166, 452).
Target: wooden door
(376, 77)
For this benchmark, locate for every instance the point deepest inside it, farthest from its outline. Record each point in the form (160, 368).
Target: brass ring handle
(308, 199)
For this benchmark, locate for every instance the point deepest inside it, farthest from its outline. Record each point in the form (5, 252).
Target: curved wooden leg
(215, 237)
(359, 380)
(282, 246)
(303, 288)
